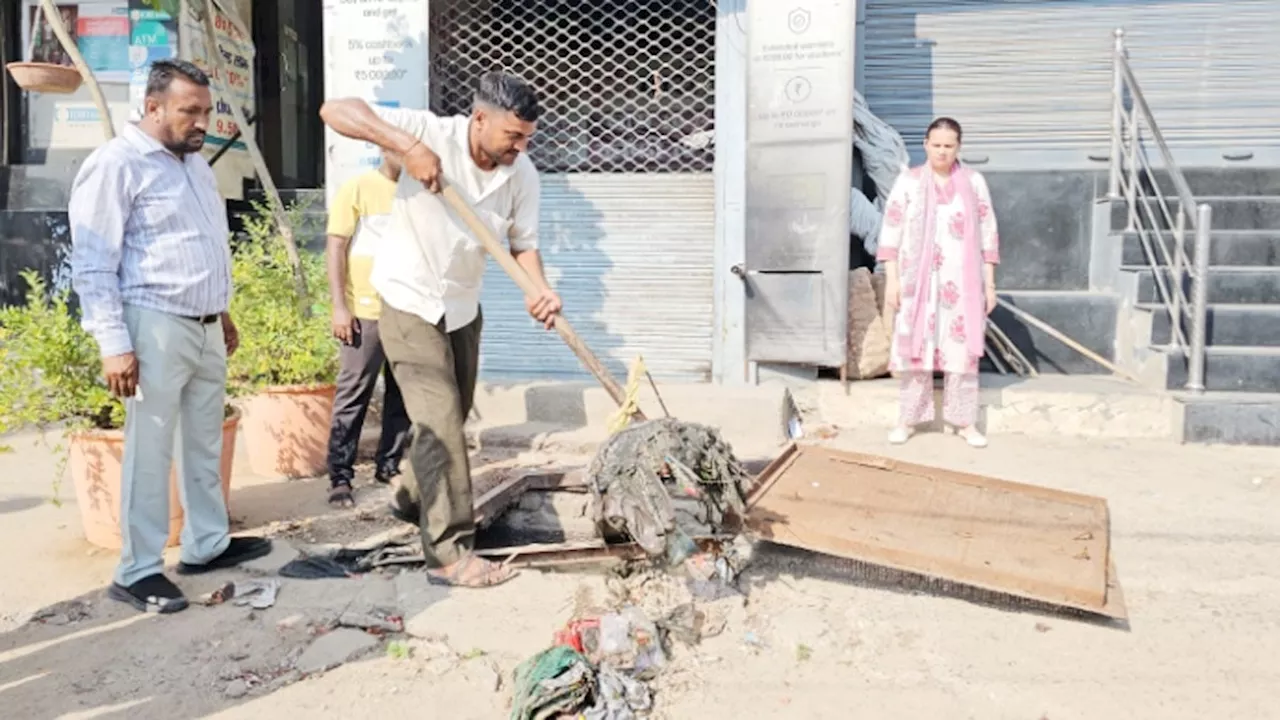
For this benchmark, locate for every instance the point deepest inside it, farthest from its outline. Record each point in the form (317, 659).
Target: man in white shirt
(428, 272)
(152, 267)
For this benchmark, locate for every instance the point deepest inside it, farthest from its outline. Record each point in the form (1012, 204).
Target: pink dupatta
(971, 293)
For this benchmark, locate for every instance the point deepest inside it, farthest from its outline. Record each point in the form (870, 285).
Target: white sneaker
(973, 437)
(899, 435)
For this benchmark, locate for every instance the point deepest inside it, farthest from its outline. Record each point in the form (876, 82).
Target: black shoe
(154, 593)
(404, 509)
(385, 473)
(240, 549)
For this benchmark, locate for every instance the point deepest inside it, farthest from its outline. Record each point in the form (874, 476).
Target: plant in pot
(285, 368)
(51, 377)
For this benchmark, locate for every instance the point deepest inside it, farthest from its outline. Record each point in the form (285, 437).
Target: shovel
(523, 281)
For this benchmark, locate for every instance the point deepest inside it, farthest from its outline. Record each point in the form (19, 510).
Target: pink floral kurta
(947, 289)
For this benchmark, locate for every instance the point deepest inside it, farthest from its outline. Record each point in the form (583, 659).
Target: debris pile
(603, 664)
(641, 472)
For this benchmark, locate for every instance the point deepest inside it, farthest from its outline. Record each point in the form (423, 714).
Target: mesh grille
(625, 85)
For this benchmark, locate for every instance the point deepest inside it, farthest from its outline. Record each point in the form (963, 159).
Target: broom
(522, 280)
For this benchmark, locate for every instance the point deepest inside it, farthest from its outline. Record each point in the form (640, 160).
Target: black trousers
(357, 377)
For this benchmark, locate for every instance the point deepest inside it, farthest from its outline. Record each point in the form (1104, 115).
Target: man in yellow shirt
(357, 225)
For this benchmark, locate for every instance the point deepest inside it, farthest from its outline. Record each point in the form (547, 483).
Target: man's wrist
(114, 343)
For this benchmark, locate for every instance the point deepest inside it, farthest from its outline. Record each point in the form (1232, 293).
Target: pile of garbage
(640, 472)
(601, 664)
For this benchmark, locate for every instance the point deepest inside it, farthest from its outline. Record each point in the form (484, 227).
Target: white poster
(376, 51)
(236, 85)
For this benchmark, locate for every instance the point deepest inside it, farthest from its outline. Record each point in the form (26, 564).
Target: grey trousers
(361, 363)
(182, 377)
(437, 375)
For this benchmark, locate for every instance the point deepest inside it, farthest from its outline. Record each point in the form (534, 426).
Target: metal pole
(1117, 114)
(1177, 272)
(1131, 197)
(1199, 300)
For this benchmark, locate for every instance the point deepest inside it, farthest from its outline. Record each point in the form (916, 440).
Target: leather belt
(205, 319)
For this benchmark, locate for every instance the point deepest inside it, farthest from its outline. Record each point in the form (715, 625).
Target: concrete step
(1050, 405)
(1257, 325)
(1226, 247)
(1228, 418)
(1227, 285)
(1257, 212)
(1232, 368)
(1087, 317)
(1219, 182)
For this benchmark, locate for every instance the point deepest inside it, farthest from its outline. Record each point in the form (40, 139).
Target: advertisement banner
(236, 85)
(153, 35)
(102, 36)
(376, 52)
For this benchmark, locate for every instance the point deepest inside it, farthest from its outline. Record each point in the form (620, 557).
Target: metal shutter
(1031, 81)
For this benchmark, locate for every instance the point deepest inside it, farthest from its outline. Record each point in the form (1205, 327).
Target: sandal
(472, 572)
(340, 495)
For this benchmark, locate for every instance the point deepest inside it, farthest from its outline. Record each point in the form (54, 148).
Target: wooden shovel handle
(526, 285)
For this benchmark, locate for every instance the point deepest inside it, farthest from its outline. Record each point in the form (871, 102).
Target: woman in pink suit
(939, 247)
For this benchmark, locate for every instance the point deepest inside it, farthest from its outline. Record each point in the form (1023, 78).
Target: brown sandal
(473, 572)
(341, 495)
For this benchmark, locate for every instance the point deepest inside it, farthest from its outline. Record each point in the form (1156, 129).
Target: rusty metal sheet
(1026, 541)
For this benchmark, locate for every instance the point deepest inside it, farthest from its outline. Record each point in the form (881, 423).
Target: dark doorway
(290, 78)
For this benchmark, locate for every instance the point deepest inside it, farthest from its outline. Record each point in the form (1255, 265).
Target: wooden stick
(54, 18)
(259, 162)
(995, 352)
(508, 263)
(1012, 355)
(1011, 350)
(654, 385)
(1065, 340)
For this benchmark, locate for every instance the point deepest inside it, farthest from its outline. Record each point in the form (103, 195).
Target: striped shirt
(147, 229)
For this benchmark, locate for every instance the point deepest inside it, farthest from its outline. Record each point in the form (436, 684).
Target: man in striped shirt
(152, 266)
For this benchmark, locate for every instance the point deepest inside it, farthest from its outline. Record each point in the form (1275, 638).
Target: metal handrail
(1140, 103)
(1129, 169)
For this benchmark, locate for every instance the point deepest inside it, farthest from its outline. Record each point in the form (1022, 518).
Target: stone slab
(333, 649)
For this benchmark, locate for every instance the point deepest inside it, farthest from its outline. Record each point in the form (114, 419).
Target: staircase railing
(1152, 219)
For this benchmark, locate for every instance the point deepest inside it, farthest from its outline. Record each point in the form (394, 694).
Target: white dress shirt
(429, 263)
(147, 229)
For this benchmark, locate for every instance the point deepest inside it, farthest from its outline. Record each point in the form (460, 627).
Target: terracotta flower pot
(287, 430)
(95, 457)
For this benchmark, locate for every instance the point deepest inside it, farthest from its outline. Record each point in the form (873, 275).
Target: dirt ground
(1195, 541)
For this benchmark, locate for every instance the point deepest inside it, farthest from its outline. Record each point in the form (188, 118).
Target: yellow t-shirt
(361, 211)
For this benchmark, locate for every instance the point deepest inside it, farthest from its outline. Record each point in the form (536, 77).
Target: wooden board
(1023, 540)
